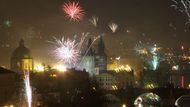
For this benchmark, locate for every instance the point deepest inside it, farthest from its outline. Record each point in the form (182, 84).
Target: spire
(21, 43)
(101, 47)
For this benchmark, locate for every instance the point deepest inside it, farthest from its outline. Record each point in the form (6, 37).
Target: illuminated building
(27, 64)
(60, 68)
(39, 68)
(95, 63)
(106, 81)
(21, 59)
(88, 60)
(88, 63)
(124, 74)
(101, 57)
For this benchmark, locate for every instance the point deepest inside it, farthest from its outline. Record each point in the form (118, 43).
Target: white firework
(113, 27)
(183, 6)
(94, 21)
(68, 50)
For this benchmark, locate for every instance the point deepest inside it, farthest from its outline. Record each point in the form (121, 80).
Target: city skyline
(94, 53)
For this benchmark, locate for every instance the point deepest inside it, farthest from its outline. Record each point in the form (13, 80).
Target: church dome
(21, 52)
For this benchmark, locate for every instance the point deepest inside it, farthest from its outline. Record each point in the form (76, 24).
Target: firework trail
(94, 21)
(28, 90)
(155, 57)
(183, 6)
(172, 26)
(82, 40)
(94, 39)
(73, 11)
(113, 27)
(155, 62)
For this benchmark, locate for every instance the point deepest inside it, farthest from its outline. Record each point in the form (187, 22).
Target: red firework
(73, 10)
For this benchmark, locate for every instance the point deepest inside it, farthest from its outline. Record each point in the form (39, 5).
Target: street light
(124, 105)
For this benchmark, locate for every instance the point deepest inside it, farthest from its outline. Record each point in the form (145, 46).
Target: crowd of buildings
(95, 64)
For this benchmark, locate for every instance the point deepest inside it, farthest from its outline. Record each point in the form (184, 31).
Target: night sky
(37, 21)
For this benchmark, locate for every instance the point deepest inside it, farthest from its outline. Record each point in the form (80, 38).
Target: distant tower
(21, 59)
(101, 57)
(88, 59)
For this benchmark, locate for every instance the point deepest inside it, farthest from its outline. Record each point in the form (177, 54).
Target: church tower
(88, 59)
(101, 57)
(21, 59)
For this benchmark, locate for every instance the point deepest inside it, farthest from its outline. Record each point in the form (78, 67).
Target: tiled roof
(5, 71)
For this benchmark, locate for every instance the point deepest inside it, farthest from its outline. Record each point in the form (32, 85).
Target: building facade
(94, 62)
(101, 57)
(106, 81)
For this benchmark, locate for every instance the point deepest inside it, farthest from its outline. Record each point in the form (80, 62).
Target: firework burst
(73, 10)
(69, 51)
(94, 21)
(113, 27)
(66, 50)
